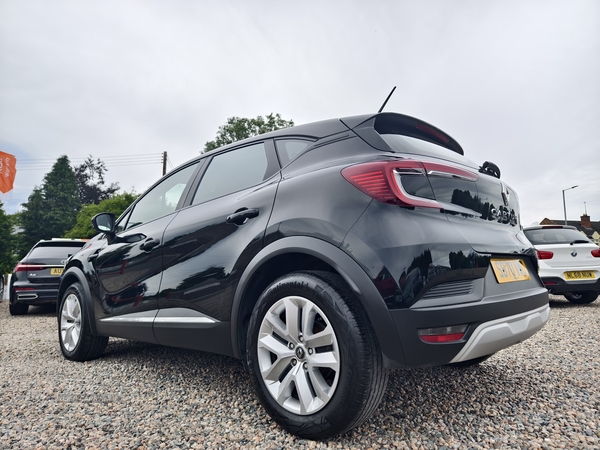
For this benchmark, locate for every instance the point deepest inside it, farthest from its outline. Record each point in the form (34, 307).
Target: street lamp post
(564, 204)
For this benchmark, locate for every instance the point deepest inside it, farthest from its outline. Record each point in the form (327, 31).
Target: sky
(514, 82)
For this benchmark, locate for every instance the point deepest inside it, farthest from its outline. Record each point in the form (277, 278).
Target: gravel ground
(543, 393)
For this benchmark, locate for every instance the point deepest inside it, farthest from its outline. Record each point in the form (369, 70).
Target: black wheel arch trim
(65, 282)
(356, 278)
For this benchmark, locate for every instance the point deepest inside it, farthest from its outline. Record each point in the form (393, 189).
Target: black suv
(36, 277)
(321, 256)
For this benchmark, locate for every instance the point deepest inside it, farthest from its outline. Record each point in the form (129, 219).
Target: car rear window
(62, 250)
(554, 236)
(406, 144)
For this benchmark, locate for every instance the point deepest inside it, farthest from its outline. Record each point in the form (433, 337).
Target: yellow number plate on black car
(56, 271)
(509, 270)
(580, 275)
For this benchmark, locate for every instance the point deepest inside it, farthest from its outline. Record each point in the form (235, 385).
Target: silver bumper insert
(496, 335)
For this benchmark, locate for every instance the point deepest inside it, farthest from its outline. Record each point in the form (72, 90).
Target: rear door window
(234, 171)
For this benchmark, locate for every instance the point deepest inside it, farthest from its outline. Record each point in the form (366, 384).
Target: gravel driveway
(543, 393)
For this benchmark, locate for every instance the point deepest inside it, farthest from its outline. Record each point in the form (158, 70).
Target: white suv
(569, 263)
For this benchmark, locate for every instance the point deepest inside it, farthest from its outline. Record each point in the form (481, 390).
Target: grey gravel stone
(543, 393)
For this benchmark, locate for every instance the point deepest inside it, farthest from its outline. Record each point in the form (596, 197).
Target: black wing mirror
(104, 223)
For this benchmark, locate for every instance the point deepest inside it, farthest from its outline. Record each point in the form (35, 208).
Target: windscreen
(55, 251)
(406, 144)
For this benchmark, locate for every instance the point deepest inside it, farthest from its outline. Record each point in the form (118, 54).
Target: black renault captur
(320, 255)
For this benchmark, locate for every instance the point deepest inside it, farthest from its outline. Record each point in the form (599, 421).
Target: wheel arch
(296, 253)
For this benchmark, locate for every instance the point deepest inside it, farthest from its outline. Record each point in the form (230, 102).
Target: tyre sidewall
(331, 417)
(76, 289)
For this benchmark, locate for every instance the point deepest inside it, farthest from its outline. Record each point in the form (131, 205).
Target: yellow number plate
(56, 271)
(580, 275)
(509, 270)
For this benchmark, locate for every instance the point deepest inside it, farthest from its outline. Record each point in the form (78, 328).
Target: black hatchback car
(321, 256)
(36, 277)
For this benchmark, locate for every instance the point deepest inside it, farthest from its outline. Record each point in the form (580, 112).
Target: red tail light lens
(28, 267)
(383, 180)
(442, 334)
(596, 253)
(544, 255)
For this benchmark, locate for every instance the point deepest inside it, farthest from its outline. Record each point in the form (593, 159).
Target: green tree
(52, 208)
(238, 128)
(116, 205)
(90, 177)
(7, 243)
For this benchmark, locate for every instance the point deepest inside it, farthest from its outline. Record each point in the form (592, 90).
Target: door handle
(241, 216)
(149, 244)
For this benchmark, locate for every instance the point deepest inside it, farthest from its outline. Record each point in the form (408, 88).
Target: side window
(288, 149)
(162, 199)
(233, 171)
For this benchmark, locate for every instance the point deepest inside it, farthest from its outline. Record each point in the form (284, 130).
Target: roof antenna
(386, 100)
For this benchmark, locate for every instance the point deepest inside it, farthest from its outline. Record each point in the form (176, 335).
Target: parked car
(321, 256)
(1, 286)
(36, 278)
(569, 262)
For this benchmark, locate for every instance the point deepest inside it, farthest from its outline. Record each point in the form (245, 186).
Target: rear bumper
(495, 322)
(557, 285)
(34, 297)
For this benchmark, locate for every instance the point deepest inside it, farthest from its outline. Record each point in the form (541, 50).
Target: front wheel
(581, 298)
(74, 333)
(313, 357)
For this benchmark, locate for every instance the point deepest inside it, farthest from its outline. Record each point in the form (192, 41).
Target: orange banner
(8, 172)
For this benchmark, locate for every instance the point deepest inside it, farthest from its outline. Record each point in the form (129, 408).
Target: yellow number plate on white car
(56, 271)
(509, 270)
(580, 275)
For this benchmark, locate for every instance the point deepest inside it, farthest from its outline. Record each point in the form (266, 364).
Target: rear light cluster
(541, 254)
(28, 267)
(596, 253)
(442, 335)
(382, 180)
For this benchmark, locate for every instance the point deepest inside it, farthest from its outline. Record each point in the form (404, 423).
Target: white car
(569, 263)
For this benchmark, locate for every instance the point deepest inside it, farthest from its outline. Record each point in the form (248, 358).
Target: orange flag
(8, 171)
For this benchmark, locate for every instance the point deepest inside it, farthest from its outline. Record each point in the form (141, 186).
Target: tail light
(28, 267)
(596, 253)
(541, 254)
(442, 334)
(385, 181)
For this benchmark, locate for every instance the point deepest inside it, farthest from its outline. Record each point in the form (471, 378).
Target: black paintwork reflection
(129, 277)
(423, 274)
(204, 255)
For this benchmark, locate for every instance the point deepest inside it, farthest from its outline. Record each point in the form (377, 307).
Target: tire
(470, 362)
(581, 298)
(319, 392)
(74, 333)
(1, 287)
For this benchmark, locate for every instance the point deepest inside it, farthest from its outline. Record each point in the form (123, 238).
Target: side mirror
(104, 223)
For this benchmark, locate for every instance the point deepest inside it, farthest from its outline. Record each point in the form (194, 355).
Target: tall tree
(116, 205)
(90, 177)
(52, 208)
(238, 128)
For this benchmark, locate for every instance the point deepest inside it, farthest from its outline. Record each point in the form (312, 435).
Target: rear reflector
(596, 253)
(441, 335)
(544, 255)
(550, 283)
(24, 289)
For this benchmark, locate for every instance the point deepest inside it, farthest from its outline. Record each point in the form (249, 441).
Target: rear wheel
(313, 357)
(581, 297)
(74, 333)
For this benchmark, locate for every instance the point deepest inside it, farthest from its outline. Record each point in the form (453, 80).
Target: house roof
(594, 226)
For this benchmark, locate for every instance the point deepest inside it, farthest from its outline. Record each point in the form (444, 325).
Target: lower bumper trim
(496, 335)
